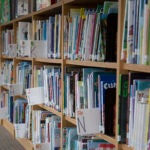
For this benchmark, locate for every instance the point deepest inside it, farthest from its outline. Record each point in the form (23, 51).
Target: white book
(22, 7)
(46, 94)
(24, 48)
(144, 52)
(39, 49)
(12, 50)
(24, 31)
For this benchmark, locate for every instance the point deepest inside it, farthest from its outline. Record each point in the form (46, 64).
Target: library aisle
(7, 141)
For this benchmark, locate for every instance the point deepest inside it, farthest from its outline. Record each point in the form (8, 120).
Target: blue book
(107, 86)
(86, 72)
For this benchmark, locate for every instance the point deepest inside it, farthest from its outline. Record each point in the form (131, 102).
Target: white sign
(4, 113)
(35, 95)
(20, 130)
(88, 121)
(1, 79)
(16, 89)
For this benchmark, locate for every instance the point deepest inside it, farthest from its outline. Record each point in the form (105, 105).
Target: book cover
(107, 82)
(124, 39)
(130, 31)
(36, 48)
(22, 7)
(5, 11)
(24, 31)
(111, 34)
(24, 48)
(123, 100)
(131, 100)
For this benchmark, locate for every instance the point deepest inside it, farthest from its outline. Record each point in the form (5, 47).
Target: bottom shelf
(9, 126)
(27, 144)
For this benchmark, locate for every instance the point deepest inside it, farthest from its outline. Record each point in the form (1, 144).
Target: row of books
(11, 9)
(89, 33)
(74, 142)
(49, 77)
(24, 75)
(15, 112)
(46, 129)
(7, 73)
(135, 43)
(134, 110)
(4, 97)
(88, 88)
(46, 39)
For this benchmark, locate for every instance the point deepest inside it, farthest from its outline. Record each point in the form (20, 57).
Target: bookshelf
(119, 67)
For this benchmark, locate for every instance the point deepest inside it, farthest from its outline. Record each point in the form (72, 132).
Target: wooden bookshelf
(26, 144)
(9, 126)
(119, 67)
(48, 61)
(125, 147)
(50, 109)
(135, 67)
(71, 120)
(108, 138)
(92, 64)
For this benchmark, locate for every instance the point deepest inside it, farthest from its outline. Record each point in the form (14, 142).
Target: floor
(7, 142)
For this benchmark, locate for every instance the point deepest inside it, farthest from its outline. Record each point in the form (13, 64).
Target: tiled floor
(7, 142)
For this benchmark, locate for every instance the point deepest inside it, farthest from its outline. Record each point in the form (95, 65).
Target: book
(131, 100)
(111, 34)
(5, 11)
(124, 39)
(22, 7)
(40, 4)
(130, 31)
(146, 19)
(141, 99)
(24, 31)
(123, 101)
(36, 47)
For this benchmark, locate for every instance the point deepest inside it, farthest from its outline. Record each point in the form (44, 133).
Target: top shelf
(108, 65)
(82, 1)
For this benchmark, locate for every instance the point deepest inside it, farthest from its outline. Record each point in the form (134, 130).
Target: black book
(110, 104)
(111, 37)
(123, 101)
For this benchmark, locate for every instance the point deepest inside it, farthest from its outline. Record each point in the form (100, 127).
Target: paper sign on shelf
(88, 121)
(1, 79)
(35, 95)
(20, 130)
(4, 113)
(15, 89)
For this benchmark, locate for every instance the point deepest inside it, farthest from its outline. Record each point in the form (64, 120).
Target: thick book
(22, 7)
(111, 37)
(131, 100)
(123, 100)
